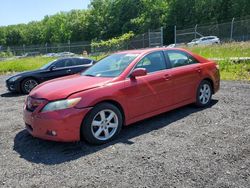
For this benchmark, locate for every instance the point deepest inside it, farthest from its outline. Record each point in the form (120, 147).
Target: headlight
(61, 104)
(13, 79)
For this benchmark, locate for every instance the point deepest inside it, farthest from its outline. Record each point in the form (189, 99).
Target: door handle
(167, 77)
(69, 70)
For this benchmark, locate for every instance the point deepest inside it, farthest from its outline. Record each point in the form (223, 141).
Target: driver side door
(151, 92)
(60, 69)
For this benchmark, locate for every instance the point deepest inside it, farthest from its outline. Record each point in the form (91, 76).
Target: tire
(204, 94)
(102, 124)
(28, 84)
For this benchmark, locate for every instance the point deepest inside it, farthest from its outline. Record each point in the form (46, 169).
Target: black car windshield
(46, 66)
(110, 66)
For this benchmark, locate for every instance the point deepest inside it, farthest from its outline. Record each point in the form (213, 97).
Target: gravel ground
(187, 147)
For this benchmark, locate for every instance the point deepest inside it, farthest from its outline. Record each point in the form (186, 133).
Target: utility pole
(46, 47)
(175, 34)
(23, 48)
(161, 36)
(69, 44)
(232, 30)
(143, 45)
(149, 42)
(195, 31)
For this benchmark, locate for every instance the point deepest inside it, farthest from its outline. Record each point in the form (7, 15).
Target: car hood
(61, 88)
(27, 73)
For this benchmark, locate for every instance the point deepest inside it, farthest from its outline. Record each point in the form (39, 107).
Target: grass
(23, 64)
(236, 49)
(229, 70)
(234, 71)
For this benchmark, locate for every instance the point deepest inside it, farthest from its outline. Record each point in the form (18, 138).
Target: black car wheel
(28, 84)
(204, 94)
(102, 124)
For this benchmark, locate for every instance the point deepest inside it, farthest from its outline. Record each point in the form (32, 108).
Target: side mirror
(138, 72)
(53, 67)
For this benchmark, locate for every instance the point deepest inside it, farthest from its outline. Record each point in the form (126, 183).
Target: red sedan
(120, 89)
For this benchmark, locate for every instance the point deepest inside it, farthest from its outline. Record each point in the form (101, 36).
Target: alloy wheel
(29, 85)
(104, 124)
(205, 94)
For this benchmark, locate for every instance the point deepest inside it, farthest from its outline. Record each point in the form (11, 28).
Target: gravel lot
(187, 147)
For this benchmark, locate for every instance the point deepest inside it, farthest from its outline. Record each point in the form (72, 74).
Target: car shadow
(10, 94)
(51, 153)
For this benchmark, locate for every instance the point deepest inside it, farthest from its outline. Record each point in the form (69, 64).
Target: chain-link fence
(150, 39)
(77, 47)
(236, 30)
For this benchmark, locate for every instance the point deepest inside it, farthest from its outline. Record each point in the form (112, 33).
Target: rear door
(150, 92)
(185, 75)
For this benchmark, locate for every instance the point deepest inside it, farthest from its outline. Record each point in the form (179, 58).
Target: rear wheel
(102, 124)
(28, 84)
(204, 94)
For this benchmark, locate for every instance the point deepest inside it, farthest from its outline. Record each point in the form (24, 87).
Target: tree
(106, 19)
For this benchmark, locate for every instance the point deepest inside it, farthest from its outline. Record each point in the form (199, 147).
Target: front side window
(152, 62)
(111, 66)
(46, 66)
(178, 58)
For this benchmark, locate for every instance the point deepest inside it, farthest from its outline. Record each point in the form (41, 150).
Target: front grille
(32, 104)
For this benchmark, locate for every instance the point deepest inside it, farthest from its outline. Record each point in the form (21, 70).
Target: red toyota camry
(120, 89)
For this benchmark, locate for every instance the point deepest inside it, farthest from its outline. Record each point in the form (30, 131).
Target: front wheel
(28, 84)
(102, 124)
(204, 94)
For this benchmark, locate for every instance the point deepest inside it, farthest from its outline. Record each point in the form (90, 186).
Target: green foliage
(114, 43)
(184, 13)
(6, 54)
(106, 19)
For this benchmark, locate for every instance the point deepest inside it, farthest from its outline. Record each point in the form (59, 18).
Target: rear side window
(60, 63)
(179, 58)
(152, 62)
(83, 61)
(69, 62)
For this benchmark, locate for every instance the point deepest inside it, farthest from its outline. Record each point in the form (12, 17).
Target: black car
(26, 81)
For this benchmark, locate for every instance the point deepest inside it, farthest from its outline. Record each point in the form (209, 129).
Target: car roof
(73, 58)
(148, 50)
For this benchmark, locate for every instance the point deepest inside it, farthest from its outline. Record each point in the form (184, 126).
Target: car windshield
(46, 66)
(110, 66)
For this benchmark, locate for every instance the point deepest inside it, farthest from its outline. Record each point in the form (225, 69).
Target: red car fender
(91, 98)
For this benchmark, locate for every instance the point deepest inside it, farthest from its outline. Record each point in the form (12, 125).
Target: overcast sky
(24, 11)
